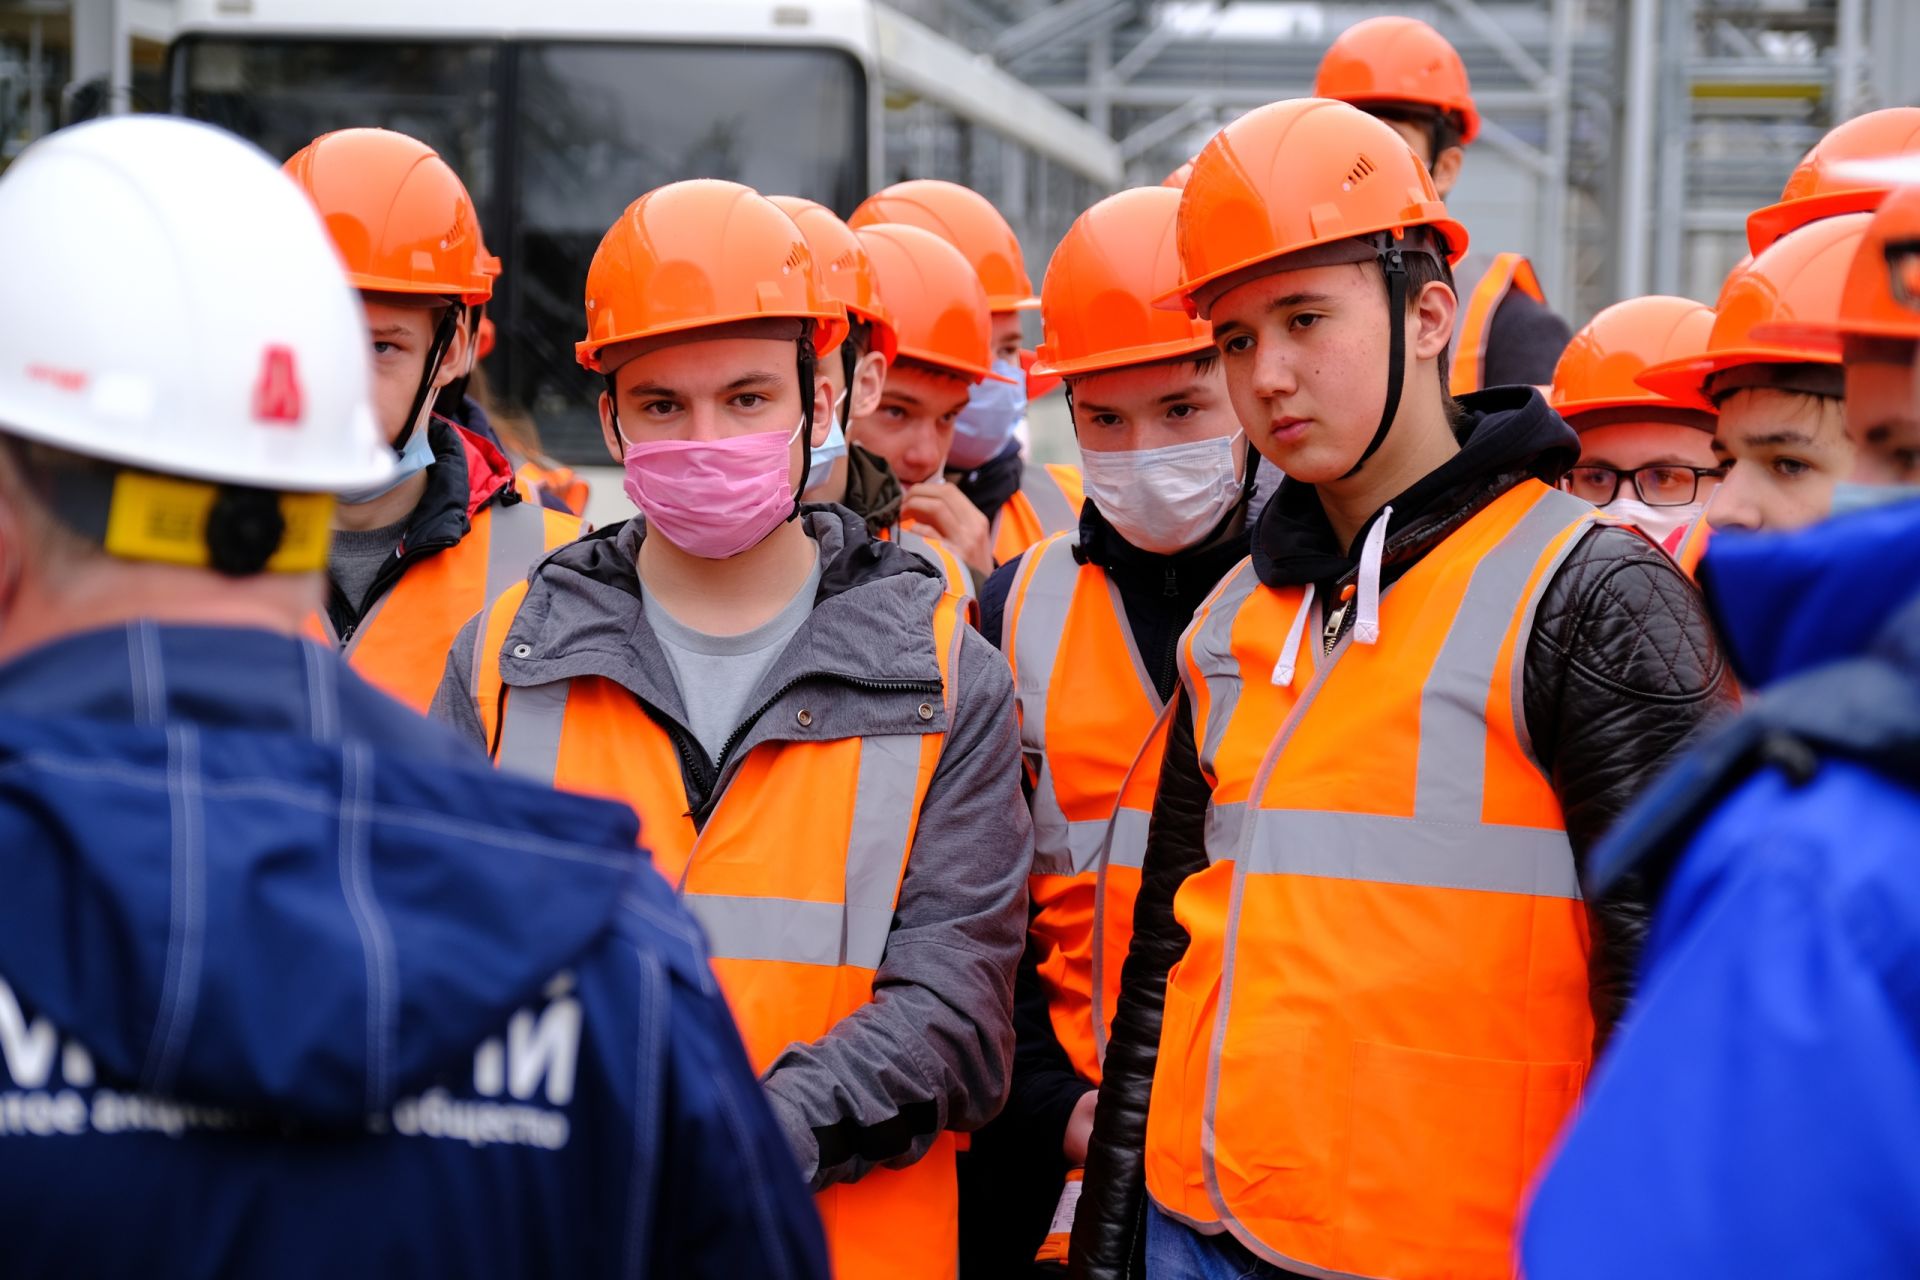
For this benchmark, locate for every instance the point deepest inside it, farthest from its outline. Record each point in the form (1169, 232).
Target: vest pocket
(1444, 1147)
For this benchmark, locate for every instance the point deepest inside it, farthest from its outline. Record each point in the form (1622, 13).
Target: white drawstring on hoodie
(1366, 625)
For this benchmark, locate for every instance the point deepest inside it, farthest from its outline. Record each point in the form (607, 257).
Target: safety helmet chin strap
(1393, 265)
(436, 353)
(808, 362)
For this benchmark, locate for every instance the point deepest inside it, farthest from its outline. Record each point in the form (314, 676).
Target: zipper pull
(1330, 635)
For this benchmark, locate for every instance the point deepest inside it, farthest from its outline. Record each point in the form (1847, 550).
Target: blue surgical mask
(416, 457)
(994, 412)
(820, 467)
(1848, 496)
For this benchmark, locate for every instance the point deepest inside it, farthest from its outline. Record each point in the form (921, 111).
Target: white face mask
(1167, 499)
(1657, 523)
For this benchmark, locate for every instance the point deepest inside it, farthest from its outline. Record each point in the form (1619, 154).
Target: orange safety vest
(1366, 1085)
(796, 928)
(936, 553)
(1692, 545)
(1048, 501)
(401, 644)
(564, 483)
(1505, 273)
(1089, 720)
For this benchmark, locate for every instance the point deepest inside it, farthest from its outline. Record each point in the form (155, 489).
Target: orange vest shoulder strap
(1506, 272)
(1051, 496)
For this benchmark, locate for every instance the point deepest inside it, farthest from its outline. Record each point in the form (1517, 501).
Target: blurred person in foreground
(291, 983)
(1756, 1112)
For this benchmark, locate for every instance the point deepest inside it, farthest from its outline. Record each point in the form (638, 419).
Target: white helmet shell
(172, 302)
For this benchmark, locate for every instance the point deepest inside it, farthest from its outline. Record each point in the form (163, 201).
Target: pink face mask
(713, 498)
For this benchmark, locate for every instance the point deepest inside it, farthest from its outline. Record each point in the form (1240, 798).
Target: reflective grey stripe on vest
(1450, 784)
(786, 929)
(517, 540)
(795, 931)
(1128, 847)
(1049, 501)
(912, 540)
(1036, 623)
(1445, 841)
(1208, 646)
(1439, 855)
(530, 730)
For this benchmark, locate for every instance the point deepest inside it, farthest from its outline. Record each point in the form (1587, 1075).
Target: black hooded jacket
(1621, 667)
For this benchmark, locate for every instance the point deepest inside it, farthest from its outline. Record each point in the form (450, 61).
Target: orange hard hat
(1796, 281)
(697, 254)
(399, 215)
(1178, 178)
(966, 220)
(939, 307)
(1383, 61)
(845, 270)
(1598, 368)
(1096, 304)
(1295, 175)
(1827, 181)
(1881, 296)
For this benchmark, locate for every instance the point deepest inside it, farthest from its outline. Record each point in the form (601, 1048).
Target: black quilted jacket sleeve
(1621, 670)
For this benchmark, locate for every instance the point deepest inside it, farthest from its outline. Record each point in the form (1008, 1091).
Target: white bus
(560, 112)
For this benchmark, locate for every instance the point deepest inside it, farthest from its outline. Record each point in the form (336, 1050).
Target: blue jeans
(1178, 1252)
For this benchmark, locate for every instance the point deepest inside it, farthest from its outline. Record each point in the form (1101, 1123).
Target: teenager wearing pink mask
(822, 753)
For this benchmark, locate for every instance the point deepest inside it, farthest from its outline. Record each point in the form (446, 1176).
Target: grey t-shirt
(717, 674)
(356, 556)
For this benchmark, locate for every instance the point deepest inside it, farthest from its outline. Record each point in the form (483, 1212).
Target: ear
(1431, 318)
(869, 380)
(454, 363)
(1446, 170)
(607, 431)
(822, 410)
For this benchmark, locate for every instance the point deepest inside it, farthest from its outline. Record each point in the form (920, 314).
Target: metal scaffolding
(1632, 135)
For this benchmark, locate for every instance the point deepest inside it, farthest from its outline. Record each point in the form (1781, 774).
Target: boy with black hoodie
(1401, 725)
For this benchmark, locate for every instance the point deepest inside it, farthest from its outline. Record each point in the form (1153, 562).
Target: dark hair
(1443, 128)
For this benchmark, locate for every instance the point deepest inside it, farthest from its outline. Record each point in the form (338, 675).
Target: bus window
(282, 94)
(597, 125)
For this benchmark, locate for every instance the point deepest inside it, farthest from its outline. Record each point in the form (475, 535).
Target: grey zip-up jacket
(933, 1050)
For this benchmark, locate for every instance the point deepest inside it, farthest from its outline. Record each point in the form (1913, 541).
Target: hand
(944, 510)
(1079, 1129)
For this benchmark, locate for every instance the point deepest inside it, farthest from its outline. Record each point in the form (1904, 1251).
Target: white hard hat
(172, 302)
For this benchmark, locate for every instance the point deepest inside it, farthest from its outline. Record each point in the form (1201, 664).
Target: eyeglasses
(1903, 272)
(1663, 484)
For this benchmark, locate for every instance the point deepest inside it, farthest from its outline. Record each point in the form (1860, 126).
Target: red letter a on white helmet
(276, 396)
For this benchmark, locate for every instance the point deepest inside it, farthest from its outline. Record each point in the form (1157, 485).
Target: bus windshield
(554, 139)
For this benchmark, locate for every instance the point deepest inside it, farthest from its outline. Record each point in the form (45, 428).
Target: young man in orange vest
(841, 471)
(943, 329)
(1644, 458)
(1407, 74)
(1401, 726)
(821, 751)
(1781, 431)
(1090, 622)
(1754, 1116)
(1021, 502)
(416, 555)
